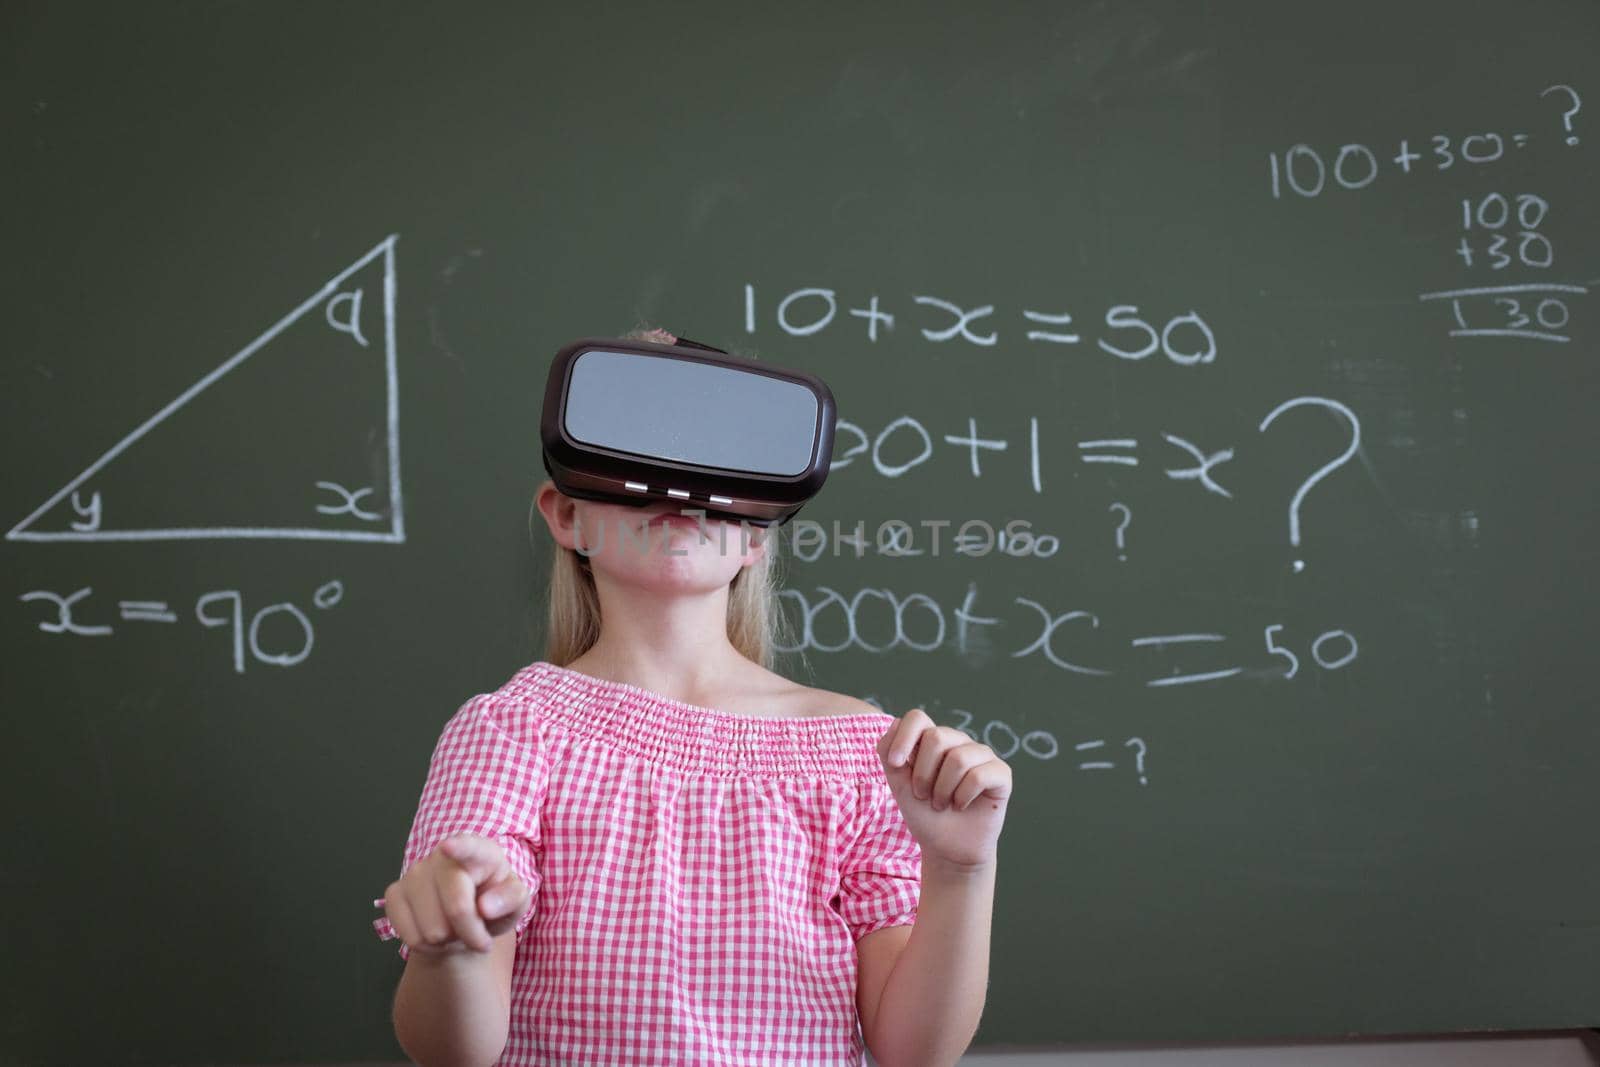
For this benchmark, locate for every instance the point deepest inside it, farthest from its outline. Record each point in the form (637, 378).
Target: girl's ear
(757, 542)
(560, 514)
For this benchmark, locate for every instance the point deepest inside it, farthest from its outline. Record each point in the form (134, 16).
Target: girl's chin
(674, 576)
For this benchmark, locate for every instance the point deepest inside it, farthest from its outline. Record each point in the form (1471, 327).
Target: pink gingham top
(700, 877)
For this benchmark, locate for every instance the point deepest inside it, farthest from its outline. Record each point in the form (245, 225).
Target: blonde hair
(755, 621)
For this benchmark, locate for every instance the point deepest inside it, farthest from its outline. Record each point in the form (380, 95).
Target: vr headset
(635, 422)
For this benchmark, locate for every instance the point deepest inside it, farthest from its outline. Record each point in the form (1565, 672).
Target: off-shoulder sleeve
(880, 872)
(482, 780)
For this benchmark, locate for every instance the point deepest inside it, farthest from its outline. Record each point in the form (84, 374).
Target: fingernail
(493, 902)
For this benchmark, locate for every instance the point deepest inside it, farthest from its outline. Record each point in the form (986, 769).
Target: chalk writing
(93, 516)
(1068, 640)
(1524, 310)
(213, 610)
(1184, 338)
(1041, 745)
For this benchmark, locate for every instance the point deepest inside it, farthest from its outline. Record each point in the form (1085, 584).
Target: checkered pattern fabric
(700, 877)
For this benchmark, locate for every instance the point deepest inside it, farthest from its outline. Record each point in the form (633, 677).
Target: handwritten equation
(1185, 339)
(1305, 171)
(1070, 641)
(216, 609)
(1498, 232)
(1201, 468)
(1042, 745)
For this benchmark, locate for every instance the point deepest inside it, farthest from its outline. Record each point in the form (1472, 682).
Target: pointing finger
(477, 855)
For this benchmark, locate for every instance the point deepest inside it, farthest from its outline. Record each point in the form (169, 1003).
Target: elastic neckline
(691, 737)
(651, 696)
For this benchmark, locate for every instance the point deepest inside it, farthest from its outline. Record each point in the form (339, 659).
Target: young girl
(649, 848)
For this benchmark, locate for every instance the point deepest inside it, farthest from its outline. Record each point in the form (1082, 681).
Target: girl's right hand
(459, 898)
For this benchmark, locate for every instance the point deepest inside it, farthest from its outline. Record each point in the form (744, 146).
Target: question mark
(1566, 119)
(1321, 472)
(1127, 517)
(1138, 758)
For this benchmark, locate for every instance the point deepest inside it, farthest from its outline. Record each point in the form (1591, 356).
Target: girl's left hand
(952, 790)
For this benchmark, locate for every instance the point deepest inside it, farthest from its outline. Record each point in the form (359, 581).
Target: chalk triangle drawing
(296, 436)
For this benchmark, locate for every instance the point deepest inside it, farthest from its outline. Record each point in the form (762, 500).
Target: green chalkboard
(1265, 335)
